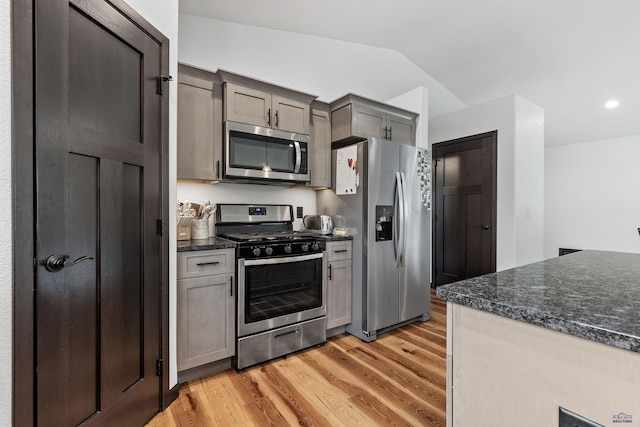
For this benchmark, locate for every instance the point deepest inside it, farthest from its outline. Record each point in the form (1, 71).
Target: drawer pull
(340, 251)
(201, 264)
(287, 334)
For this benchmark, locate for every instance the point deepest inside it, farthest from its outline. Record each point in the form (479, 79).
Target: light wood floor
(399, 379)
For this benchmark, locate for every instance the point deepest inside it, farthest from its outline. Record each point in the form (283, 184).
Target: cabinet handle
(231, 287)
(340, 251)
(390, 134)
(276, 118)
(218, 169)
(269, 117)
(385, 132)
(202, 264)
(329, 271)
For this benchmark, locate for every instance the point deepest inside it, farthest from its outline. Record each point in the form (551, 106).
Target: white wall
(592, 196)
(416, 100)
(520, 126)
(529, 181)
(6, 259)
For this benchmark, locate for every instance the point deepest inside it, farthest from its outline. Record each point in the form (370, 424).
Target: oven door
(275, 292)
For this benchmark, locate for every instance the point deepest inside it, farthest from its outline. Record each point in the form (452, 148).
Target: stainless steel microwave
(257, 153)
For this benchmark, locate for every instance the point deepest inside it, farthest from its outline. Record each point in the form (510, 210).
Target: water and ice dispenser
(384, 223)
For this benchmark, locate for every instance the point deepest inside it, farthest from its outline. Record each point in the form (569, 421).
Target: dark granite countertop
(205, 244)
(332, 238)
(589, 294)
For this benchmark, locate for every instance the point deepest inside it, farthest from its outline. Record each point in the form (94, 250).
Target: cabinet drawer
(205, 263)
(340, 250)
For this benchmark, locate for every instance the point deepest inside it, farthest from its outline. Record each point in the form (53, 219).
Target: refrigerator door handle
(403, 217)
(399, 219)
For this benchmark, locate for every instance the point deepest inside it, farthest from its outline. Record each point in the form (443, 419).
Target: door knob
(486, 226)
(55, 263)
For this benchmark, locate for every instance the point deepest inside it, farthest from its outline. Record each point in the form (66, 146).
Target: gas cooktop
(270, 236)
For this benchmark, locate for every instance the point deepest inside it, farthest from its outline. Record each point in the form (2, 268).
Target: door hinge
(159, 367)
(159, 227)
(160, 81)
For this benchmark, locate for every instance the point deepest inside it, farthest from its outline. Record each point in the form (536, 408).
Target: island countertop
(589, 294)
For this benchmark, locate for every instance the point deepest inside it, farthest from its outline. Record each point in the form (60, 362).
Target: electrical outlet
(299, 213)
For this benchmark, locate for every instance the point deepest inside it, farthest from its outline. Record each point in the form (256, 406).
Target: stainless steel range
(281, 303)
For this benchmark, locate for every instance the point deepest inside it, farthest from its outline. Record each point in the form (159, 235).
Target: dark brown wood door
(465, 208)
(98, 121)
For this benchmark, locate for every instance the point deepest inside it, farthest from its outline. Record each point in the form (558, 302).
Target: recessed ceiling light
(611, 104)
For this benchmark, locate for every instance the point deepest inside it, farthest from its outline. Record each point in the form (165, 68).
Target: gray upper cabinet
(320, 145)
(354, 118)
(246, 105)
(262, 104)
(199, 151)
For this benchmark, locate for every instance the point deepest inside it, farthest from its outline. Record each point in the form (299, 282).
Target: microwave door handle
(296, 168)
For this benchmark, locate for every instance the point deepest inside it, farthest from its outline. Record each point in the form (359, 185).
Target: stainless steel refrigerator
(386, 200)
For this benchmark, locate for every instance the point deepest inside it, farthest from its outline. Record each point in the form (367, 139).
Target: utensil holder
(200, 229)
(212, 226)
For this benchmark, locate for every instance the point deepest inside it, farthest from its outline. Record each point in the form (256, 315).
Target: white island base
(505, 372)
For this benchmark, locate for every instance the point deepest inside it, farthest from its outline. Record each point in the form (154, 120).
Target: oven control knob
(314, 246)
(256, 251)
(304, 247)
(268, 250)
(287, 249)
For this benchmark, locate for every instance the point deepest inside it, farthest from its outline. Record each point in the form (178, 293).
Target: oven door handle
(283, 260)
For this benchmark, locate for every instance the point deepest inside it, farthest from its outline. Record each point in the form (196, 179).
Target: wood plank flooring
(399, 379)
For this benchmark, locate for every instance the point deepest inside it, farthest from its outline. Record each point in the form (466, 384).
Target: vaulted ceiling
(567, 56)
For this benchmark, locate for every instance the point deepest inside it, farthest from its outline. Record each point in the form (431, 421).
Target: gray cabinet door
(247, 105)
(289, 115)
(401, 129)
(339, 283)
(206, 313)
(368, 122)
(320, 148)
(339, 294)
(199, 150)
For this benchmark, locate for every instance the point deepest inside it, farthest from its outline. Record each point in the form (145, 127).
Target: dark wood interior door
(99, 144)
(465, 208)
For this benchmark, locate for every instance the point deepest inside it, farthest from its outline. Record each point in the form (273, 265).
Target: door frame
(494, 194)
(23, 202)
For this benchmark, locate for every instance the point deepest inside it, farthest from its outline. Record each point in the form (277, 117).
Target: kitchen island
(564, 332)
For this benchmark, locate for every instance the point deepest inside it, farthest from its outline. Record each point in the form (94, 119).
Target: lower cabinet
(339, 284)
(206, 308)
